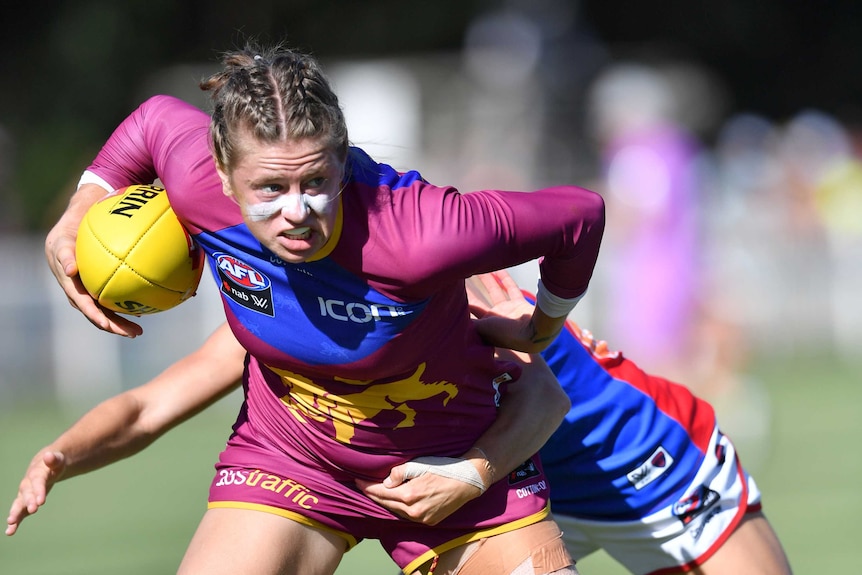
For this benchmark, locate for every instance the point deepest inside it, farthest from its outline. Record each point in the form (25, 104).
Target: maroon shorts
(251, 475)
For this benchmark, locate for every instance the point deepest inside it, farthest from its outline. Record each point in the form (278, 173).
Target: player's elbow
(555, 402)
(559, 401)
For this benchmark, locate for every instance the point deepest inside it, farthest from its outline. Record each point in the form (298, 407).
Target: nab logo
(244, 285)
(524, 472)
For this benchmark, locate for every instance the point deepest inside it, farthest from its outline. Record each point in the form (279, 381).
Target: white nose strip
(319, 204)
(297, 206)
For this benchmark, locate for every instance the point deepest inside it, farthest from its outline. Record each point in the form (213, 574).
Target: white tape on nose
(319, 204)
(297, 205)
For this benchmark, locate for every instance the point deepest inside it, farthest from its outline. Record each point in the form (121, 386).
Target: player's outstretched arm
(60, 252)
(127, 423)
(530, 412)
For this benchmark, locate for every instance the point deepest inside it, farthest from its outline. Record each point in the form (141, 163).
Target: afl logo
(244, 285)
(240, 273)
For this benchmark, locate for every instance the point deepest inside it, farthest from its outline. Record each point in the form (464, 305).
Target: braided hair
(274, 94)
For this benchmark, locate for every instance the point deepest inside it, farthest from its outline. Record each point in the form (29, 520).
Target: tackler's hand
(505, 318)
(44, 471)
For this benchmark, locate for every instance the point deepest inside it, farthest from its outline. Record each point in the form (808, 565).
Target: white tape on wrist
(450, 467)
(555, 306)
(89, 177)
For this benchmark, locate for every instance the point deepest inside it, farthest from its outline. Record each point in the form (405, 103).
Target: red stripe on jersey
(674, 400)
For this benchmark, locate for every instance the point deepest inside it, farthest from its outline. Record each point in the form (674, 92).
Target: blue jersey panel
(335, 317)
(361, 168)
(616, 455)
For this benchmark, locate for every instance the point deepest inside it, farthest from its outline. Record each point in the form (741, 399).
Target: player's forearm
(84, 197)
(107, 433)
(66, 228)
(529, 413)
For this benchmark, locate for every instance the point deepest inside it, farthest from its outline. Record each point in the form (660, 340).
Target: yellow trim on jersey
(475, 536)
(351, 540)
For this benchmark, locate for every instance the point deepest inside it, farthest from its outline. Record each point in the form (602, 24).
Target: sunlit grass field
(137, 516)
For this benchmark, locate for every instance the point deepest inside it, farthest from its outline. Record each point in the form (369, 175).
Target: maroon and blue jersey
(370, 342)
(364, 356)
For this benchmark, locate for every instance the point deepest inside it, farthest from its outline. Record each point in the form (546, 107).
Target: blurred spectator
(838, 198)
(504, 109)
(809, 145)
(740, 308)
(820, 153)
(651, 183)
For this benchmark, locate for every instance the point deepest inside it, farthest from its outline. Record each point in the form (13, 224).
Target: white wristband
(552, 305)
(450, 467)
(89, 177)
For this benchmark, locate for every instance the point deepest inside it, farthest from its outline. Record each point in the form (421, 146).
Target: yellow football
(134, 255)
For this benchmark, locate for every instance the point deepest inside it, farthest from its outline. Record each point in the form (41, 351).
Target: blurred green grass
(136, 516)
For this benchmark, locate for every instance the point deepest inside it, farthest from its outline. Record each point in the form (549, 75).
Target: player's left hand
(62, 261)
(44, 471)
(427, 499)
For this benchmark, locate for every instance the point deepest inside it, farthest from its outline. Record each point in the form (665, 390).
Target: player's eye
(315, 183)
(270, 189)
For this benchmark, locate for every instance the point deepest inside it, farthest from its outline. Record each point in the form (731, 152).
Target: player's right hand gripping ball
(134, 255)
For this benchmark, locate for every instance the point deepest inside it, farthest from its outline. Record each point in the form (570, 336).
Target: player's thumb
(68, 260)
(396, 477)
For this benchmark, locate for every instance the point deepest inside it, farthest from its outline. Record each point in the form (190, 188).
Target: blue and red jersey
(631, 443)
